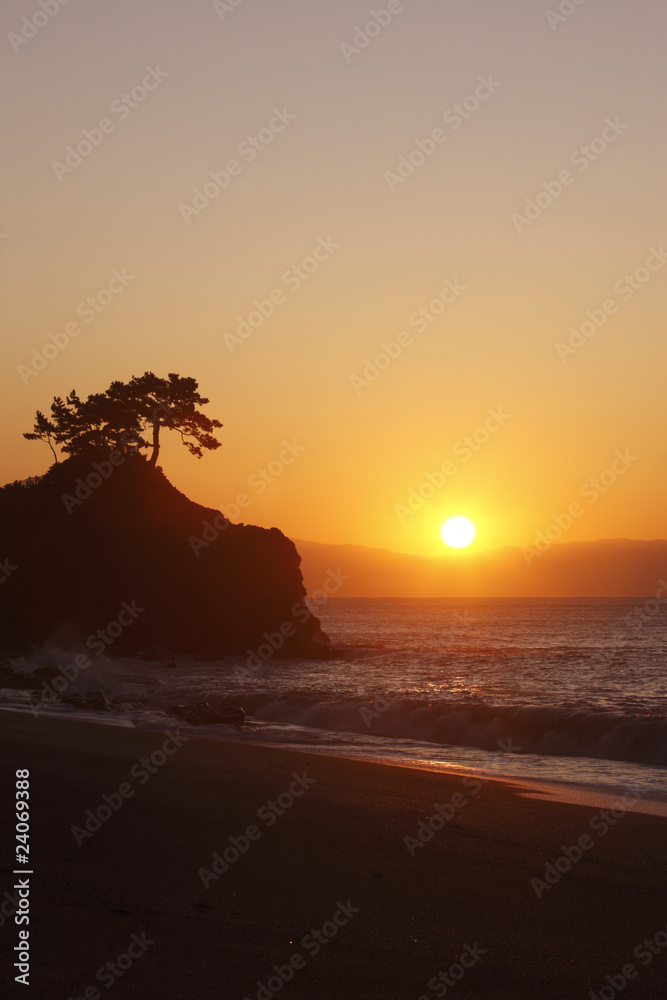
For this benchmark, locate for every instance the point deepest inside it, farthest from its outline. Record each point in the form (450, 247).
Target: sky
(271, 197)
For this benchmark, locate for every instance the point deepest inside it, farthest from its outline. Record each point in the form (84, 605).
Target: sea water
(566, 696)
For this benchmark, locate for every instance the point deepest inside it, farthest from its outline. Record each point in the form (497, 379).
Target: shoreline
(429, 863)
(563, 790)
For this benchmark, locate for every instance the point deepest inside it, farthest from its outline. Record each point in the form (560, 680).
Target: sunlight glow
(457, 532)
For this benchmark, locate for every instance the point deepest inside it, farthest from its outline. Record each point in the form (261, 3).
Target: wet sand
(320, 880)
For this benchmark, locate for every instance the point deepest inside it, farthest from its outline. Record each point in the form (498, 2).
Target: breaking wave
(544, 730)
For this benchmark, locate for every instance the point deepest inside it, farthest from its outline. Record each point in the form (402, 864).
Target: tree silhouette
(96, 424)
(44, 430)
(171, 403)
(117, 418)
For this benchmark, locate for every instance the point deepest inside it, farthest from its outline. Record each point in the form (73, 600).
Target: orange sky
(383, 201)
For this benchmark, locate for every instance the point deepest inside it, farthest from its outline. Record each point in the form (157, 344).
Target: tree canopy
(129, 415)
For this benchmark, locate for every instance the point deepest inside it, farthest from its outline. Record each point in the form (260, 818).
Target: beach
(230, 870)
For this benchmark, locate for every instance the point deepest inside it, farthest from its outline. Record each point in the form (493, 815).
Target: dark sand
(342, 840)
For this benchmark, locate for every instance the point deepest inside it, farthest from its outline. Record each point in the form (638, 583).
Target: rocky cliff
(111, 555)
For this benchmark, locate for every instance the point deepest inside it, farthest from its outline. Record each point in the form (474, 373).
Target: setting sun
(457, 532)
(332, 401)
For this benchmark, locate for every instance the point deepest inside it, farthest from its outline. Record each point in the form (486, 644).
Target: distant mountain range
(614, 567)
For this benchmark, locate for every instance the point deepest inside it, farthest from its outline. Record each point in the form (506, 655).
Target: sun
(457, 532)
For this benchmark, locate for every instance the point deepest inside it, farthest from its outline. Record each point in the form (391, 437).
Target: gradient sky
(324, 176)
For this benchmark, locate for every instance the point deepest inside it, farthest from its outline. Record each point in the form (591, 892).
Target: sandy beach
(169, 868)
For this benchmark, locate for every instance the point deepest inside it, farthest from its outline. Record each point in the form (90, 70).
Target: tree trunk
(156, 443)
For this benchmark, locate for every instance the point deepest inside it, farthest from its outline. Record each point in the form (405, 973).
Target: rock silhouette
(114, 557)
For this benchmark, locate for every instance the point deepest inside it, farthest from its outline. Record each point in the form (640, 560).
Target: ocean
(565, 696)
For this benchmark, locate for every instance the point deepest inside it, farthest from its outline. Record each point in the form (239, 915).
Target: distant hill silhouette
(80, 556)
(607, 568)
